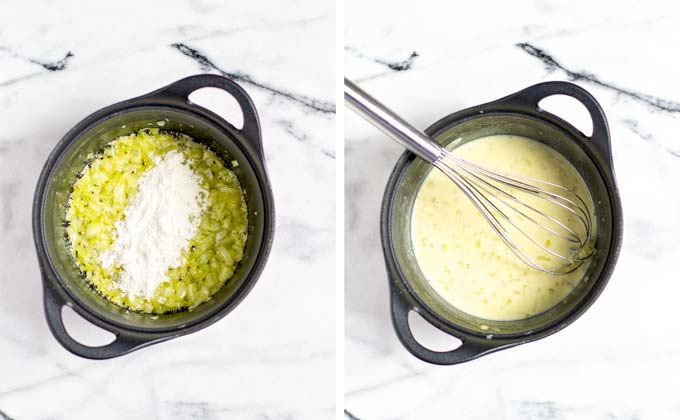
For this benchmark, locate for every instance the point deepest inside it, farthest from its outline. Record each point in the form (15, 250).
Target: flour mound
(157, 226)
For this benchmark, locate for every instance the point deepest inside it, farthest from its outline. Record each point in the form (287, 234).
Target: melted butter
(466, 262)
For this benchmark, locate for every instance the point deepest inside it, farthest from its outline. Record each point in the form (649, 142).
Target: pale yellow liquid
(466, 262)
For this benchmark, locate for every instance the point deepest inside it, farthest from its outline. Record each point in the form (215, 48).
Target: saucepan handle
(183, 88)
(124, 343)
(471, 348)
(536, 93)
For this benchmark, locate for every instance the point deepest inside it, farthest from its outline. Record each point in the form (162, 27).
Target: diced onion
(107, 185)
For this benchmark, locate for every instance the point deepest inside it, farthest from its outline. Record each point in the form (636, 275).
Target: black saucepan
(64, 284)
(517, 114)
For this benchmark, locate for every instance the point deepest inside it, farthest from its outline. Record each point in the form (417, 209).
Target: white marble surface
(271, 358)
(622, 358)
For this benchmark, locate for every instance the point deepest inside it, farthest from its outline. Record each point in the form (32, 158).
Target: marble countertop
(621, 359)
(273, 357)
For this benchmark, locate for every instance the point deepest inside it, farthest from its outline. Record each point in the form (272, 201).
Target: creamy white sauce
(465, 261)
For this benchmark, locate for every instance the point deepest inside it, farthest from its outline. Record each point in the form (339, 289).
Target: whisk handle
(390, 123)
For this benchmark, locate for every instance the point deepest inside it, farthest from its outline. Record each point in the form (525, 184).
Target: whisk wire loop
(500, 208)
(578, 209)
(505, 196)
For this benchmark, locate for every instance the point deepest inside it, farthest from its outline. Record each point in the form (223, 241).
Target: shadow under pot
(518, 114)
(62, 280)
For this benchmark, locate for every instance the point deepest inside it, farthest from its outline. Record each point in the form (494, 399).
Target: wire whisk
(520, 210)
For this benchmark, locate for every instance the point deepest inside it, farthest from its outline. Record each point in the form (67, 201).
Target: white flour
(159, 222)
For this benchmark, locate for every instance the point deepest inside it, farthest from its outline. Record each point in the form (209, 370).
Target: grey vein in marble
(387, 382)
(552, 64)
(291, 130)
(396, 65)
(633, 126)
(48, 65)
(314, 104)
(51, 66)
(350, 416)
(4, 416)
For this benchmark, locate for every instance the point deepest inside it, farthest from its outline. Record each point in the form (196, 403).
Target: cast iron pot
(517, 114)
(63, 282)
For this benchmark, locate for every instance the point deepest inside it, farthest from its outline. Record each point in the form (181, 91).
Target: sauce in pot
(465, 261)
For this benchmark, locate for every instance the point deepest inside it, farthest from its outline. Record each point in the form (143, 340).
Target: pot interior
(72, 159)
(412, 171)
